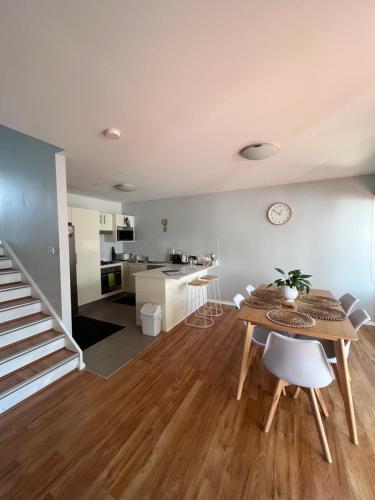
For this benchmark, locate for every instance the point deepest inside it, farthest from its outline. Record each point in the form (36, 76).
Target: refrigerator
(73, 270)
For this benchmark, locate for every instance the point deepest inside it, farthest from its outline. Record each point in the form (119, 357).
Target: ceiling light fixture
(125, 187)
(259, 151)
(111, 133)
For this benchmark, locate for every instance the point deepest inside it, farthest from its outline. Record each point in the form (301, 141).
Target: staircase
(35, 348)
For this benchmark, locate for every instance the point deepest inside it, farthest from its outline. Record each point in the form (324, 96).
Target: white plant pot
(289, 293)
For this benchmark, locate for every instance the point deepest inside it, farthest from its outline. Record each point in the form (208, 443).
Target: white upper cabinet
(124, 220)
(105, 222)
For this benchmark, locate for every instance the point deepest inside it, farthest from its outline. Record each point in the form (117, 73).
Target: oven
(111, 279)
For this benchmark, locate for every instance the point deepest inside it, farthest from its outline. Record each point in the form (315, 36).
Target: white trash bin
(151, 319)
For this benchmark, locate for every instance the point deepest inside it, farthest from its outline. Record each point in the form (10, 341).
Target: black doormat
(128, 299)
(88, 331)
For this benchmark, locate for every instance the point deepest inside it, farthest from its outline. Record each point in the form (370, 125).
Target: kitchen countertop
(186, 270)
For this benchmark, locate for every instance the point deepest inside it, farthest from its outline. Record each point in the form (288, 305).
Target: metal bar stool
(213, 294)
(196, 314)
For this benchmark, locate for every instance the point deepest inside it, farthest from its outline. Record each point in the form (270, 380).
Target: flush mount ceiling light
(125, 187)
(259, 151)
(111, 133)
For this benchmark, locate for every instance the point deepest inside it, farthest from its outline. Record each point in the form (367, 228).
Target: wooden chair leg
(319, 424)
(322, 403)
(284, 391)
(296, 392)
(276, 396)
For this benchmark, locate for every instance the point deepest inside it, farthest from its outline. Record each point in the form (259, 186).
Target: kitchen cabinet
(86, 225)
(105, 222)
(128, 279)
(120, 220)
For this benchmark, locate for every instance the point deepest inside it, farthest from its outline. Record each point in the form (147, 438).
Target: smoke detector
(111, 133)
(125, 187)
(259, 151)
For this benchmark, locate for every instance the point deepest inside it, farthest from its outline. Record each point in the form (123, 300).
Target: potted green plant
(292, 283)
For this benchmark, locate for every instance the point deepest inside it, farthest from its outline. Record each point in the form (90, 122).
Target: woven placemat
(292, 319)
(319, 300)
(322, 312)
(258, 303)
(266, 293)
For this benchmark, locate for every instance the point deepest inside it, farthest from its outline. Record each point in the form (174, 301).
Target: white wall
(105, 206)
(329, 235)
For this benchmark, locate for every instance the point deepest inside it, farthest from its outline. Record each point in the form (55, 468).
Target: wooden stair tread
(18, 302)
(22, 322)
(22, 345)
(23, 374)
(8, 270)
(14, 284)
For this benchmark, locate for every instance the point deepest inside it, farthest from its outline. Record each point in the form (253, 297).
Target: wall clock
(279, 213)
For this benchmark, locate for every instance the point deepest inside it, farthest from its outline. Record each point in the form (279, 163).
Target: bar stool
(196, 314)
(213, 294)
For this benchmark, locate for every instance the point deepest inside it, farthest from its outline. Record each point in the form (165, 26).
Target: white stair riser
(4, 263)
(18, 395)
(10, 277)
(15, 293)
(26, 332)
(19, 312)
(22, 360)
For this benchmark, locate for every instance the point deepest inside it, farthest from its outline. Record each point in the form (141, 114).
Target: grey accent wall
(28, 207)
(330, 234)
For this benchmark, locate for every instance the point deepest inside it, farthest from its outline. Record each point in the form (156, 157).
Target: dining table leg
(245, 358)
(345, 388)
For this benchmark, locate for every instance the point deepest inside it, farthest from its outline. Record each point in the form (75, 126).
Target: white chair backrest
(238, 299)
(358, 318)
(299, 362)
(250, 288)
(348, 301)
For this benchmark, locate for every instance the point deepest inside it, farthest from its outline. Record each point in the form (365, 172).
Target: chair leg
(322, 403)
(296, 392)
(284, 391)
(276, 396)
(319, 424)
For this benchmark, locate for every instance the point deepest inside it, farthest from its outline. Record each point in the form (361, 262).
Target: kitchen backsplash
(160, 249)
(106, 248)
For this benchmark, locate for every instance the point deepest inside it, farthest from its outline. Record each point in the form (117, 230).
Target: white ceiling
(189, 84)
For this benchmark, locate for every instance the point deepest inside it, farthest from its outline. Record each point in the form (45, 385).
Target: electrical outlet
(51, 250)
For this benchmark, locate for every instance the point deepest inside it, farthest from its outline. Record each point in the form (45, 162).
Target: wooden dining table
(338, 331)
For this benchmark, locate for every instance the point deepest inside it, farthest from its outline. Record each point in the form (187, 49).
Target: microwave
(125, 234)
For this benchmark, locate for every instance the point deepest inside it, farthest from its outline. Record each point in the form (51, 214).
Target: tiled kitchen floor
(111, 353)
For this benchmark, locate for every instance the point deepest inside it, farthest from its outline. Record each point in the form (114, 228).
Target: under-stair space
(35, 348)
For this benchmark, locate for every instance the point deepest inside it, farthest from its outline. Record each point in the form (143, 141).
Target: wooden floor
(168, 426)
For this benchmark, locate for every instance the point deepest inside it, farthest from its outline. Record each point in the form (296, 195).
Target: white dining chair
(302, 363)
(260, 334)
(357, 318)
(348, 301)
(249, 289)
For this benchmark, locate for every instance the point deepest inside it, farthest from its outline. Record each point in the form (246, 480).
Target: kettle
(184, 258)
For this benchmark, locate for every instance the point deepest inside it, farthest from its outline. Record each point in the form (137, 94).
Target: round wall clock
(279, 213)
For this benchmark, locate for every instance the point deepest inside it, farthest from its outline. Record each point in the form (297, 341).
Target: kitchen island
(167, 289)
